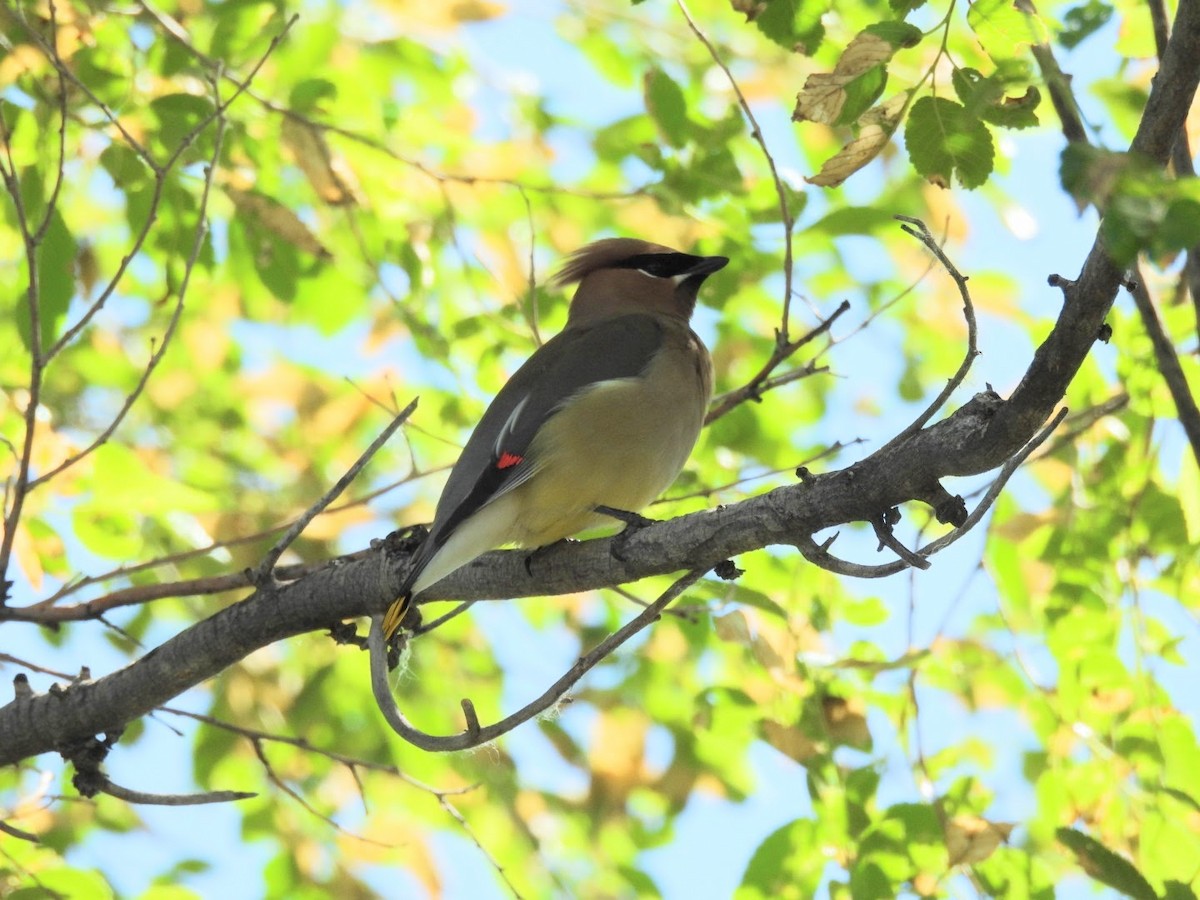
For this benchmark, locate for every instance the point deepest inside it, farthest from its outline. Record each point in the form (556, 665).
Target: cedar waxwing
(603, 414)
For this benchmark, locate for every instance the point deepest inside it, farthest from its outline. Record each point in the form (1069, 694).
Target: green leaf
(1004, 29)
(868, 612)
(898, 34)
(667, 107)
(1177, 890)
(943, 140)
(788, 863)
(1080, 22)
(861, 93)
(986, 97)
(178, 116)
(793, 24)
(125, 167)
(1105, 866)
(307, 96)
(56, 284)
(853, 220)
(106, 530)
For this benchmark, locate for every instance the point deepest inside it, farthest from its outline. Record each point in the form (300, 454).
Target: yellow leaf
(733, 628)
(27, 557)
(970, 839)
(416, 15)
(330, 525)
(856, 154)
(617, 755)
(1021, 526)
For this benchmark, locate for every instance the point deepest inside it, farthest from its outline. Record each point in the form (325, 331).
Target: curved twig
(917, 229)
(785, 213)
(474, 734)
(819, 554)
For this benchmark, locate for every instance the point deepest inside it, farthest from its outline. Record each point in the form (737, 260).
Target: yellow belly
(616, 446)
(620, 444)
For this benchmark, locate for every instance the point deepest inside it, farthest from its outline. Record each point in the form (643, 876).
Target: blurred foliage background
(250, 236)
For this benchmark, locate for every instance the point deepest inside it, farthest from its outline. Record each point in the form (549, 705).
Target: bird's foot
(634, 522)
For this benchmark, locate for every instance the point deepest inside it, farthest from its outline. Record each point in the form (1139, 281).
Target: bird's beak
(707, 265)
(693, 276)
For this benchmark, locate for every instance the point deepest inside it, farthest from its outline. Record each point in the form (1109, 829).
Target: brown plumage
(603, 414)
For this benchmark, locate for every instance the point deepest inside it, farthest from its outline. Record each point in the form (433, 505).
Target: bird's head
(621, 275)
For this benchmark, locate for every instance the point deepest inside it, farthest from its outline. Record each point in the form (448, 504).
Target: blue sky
(714, 838)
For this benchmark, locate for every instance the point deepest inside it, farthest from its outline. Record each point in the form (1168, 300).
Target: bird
(604, 414)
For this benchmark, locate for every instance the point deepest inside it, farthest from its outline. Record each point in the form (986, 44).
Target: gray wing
(494, 459)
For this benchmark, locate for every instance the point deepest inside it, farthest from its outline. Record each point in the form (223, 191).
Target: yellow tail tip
(395, 615)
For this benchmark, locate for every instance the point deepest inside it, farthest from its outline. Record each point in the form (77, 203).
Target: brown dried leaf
(822, 98)
(824, 94)
(864, 52)
(329, 175)
(870, 142)
(273, 216)
(790, 741)
(970, 839)
(845, 721)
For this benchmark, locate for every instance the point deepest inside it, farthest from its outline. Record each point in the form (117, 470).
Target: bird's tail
(402, 606)
(395, 614)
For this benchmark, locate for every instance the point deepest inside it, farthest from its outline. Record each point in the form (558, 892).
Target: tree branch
(1088, 300)
(474, 735)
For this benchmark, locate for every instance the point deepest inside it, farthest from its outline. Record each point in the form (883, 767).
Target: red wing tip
(508, 460)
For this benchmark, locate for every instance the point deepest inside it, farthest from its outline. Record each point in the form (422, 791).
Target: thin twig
(20, 485)
(61, 168)
(350, 762)
(1168, 363)
(265, 570)
(883, 531)
(441, 620)
(1181, 159)
(917, 229)
(1058, 83)
(832, 450)
(107, 786)
(475, 736)
(14, 831)
(532, 294)
(785, 213)
(208, 585)
(762, 382)
(158, 352)
(276, 780)
(179, 34)
(160, 172)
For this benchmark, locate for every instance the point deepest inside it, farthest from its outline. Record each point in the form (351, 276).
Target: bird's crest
(602, 255)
